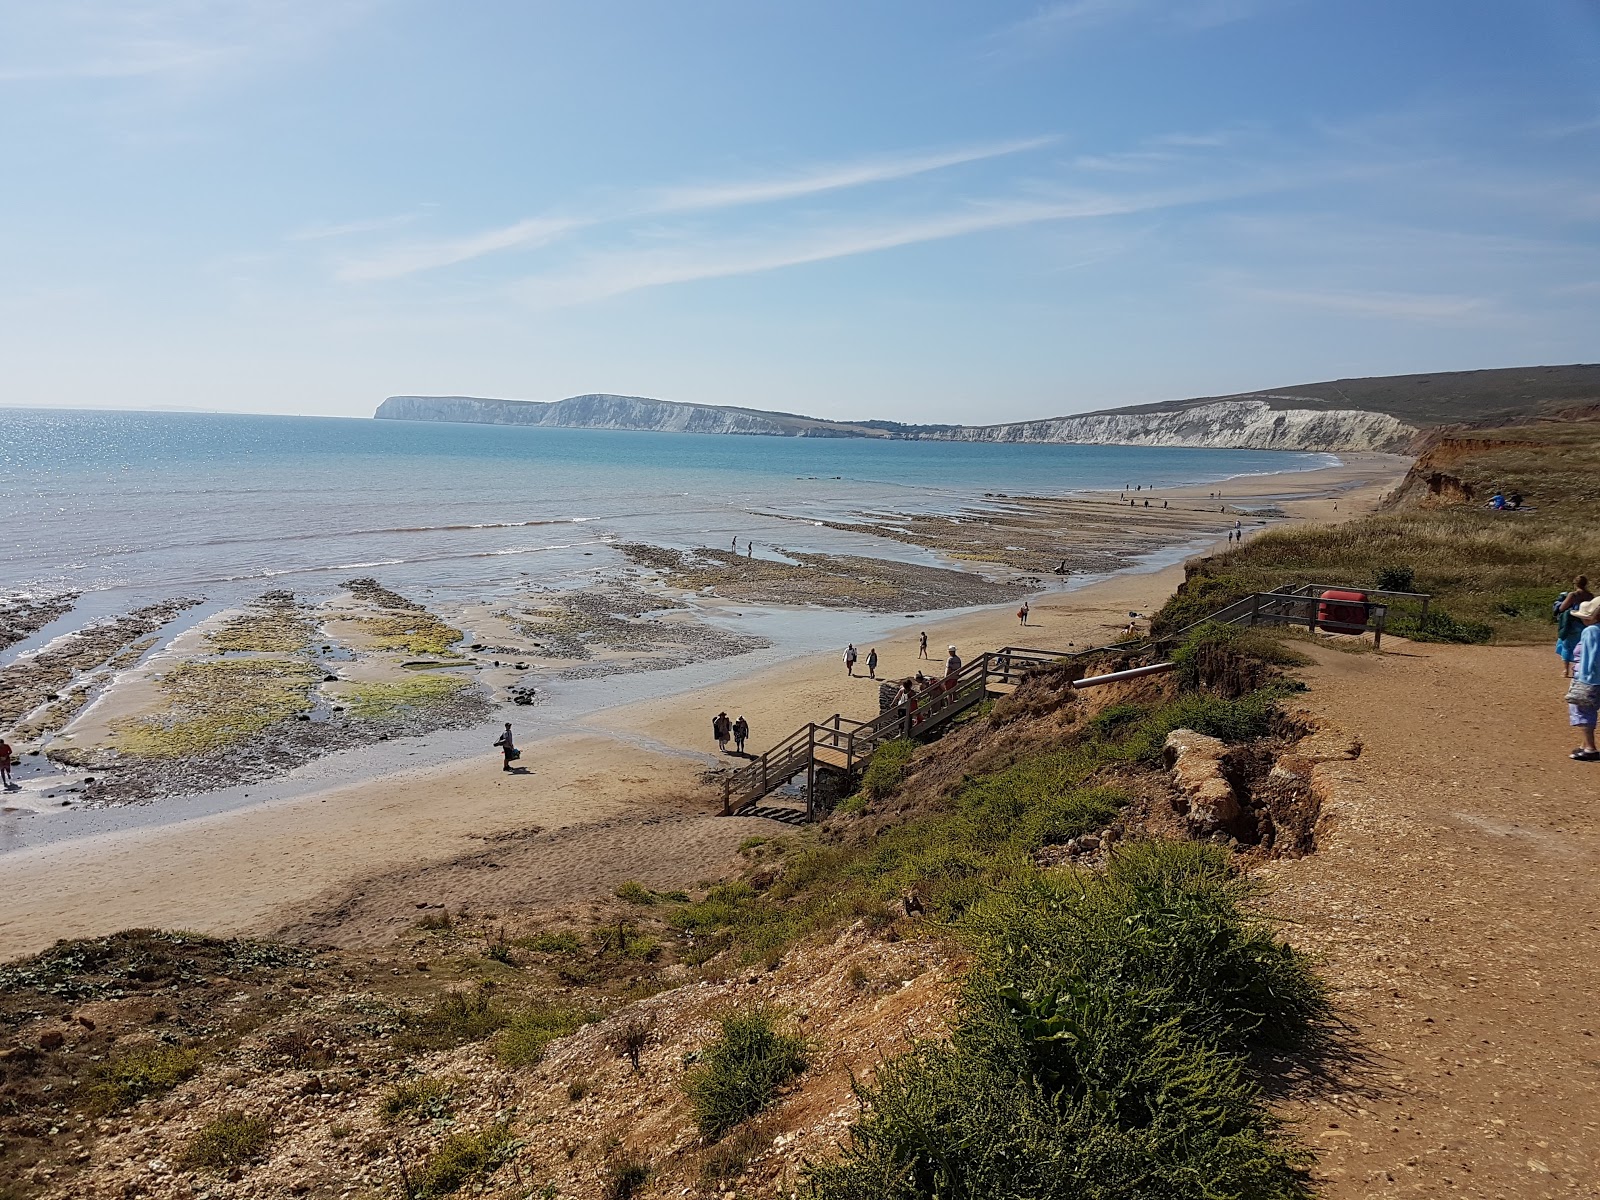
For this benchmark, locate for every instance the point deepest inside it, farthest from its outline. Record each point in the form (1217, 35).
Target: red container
(1342, 611)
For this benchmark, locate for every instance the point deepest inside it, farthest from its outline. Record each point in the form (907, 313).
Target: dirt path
(1455, 901)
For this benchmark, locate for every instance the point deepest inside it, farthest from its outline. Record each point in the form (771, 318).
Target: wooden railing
(843, 745)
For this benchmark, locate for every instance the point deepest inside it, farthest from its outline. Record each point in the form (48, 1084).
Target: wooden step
(827, 756)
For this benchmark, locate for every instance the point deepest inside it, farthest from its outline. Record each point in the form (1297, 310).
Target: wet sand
(304, 864)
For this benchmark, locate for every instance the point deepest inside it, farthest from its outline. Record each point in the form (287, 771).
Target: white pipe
(1115, 676)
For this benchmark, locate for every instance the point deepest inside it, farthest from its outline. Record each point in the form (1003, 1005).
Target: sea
(123, 507)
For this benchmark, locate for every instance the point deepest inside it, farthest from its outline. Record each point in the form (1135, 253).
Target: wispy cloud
(831, 178)
(533, 232)
(313, 233)
(1406, 306)
(423, 256)
(1566, 129)
(1067, 20)
(616, 273)
(173, 40)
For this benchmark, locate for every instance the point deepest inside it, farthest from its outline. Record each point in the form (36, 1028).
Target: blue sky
(922, 210)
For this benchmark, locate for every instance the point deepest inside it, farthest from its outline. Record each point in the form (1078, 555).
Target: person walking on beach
(508, 750)
(1568, 627)
(5, 765)
(1022, 614)
(1583, 693)
(922, 645)
(850, 660)
(952, 665)
(721, 729)
(872, 663)
(741, 730)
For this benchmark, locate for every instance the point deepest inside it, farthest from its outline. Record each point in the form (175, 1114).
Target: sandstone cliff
(601, 411)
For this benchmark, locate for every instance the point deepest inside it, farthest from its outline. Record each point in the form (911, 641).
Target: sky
(919, 210)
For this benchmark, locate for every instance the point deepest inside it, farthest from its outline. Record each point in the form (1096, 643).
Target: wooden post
(1255, 607)
(727, 793)
(811, 789)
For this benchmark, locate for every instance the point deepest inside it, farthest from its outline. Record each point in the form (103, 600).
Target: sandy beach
(615, 796)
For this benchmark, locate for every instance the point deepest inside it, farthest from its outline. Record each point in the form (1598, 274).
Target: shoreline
(248, 864)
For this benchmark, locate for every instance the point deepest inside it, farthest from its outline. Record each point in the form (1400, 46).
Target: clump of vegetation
(635, 892)
(129, 1078)
(633, 1037)
(740, 1073)
(415, 632)
(1396, 579)
(421, 1097)
(625, 939)
(1101, 1048)
(455, 1018)
(887, 768)
(216, 703)
(1436, 625)
(554, 941)
(272, 625)
(625, 1179)
(527, 1033)
(459, 1160)
(230, 1140)
(1232, 659)
(380, 699)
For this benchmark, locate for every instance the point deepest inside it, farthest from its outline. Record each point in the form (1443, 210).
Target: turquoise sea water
(226, 505)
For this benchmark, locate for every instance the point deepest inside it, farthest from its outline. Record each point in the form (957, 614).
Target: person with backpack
(1569, 628)
(850, 660)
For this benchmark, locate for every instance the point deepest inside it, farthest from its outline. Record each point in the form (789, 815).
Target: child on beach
(1583, 694)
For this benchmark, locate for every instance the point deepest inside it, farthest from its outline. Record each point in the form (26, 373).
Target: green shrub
(1114, 718)
(523, 1042)
(887, 767)
(739, 1074)
(458, 1160)
(1100, 1050)
(421, 1097)
(1233, 659)
(130, 1078)
(635, 892)
(1396, 579)
(230, 1140)
(1436, 625)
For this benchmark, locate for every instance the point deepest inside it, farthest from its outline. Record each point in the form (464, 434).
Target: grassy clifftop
(1493, 574)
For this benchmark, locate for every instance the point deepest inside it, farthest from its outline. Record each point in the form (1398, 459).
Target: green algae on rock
(217, 703)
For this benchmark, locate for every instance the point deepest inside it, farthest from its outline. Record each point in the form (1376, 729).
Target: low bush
(1101, 1048)
(129, 1078)
(459, 1160)
(1436, 625)
(1233, 660)
(230, 1140)
(527, 1033)
(421, 1097)
(554, 941)
(739, 1074)
(635, 892)
(625, 1179)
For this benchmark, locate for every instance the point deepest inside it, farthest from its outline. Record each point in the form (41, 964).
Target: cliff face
(601, 411)
(1222, 424)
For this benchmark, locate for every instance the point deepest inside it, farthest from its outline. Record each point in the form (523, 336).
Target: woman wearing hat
(1583, 695)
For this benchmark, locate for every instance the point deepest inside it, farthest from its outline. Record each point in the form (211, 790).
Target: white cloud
(830, 178)
(533, 232)
(1406, 306)
(423, 256)
(314, 233)
(615, 273)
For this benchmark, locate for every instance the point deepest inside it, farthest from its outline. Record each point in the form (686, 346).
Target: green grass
(230, 1140)
(523, 1041)
(1100, 1048)
(129, 1078)
(376, 700)
(460, 1159)
(213, 704)
(625, 1179)
(635, 892)
(422, 1097)
(887, 768)
(556, 941)
(740, 1073)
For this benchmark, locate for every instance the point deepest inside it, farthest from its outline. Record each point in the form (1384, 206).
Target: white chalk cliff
(1251, 422)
